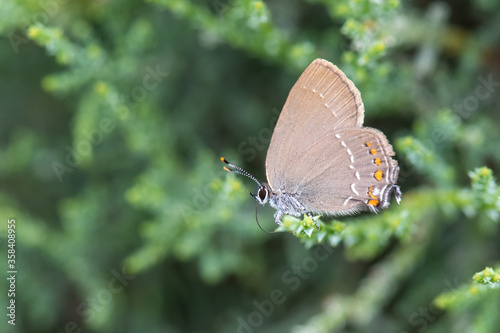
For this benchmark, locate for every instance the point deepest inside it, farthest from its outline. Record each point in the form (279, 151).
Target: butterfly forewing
(321, 101)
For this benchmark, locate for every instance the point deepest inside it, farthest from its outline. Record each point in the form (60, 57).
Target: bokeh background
(114, 115)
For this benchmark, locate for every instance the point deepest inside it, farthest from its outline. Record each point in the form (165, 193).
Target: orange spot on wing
(368, 144)
(377, 161)
(379, 174)
(373, 151)
(374, 201)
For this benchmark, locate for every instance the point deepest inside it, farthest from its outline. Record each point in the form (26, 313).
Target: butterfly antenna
(238, 170)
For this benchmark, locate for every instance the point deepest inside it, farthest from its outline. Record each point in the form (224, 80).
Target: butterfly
(321, 159)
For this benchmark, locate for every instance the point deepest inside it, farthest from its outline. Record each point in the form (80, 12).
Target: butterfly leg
(277, 217)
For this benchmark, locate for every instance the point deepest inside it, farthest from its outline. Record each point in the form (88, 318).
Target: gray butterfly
(321, 160)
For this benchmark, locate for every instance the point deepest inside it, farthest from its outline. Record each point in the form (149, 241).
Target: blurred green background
(114, 115)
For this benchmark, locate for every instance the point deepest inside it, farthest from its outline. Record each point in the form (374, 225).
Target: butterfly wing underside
(346, 172)
(320, 151)
(322, 93)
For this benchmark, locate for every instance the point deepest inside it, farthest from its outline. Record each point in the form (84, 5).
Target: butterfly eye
(262, 194)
